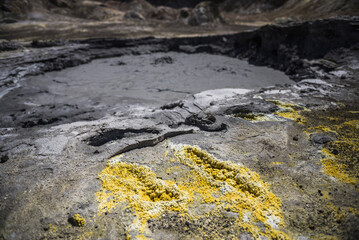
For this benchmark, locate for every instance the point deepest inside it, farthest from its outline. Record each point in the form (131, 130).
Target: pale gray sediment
(106, 85)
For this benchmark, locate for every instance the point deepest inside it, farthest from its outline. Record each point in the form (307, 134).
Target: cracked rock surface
(277, 162)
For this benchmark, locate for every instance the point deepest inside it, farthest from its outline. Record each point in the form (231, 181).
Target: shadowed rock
(117, 134)
(205, 122)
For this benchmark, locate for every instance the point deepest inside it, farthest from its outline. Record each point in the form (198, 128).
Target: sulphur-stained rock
(165, 153)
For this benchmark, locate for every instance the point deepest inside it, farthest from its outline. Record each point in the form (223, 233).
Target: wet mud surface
(103, 86)
(274, 162)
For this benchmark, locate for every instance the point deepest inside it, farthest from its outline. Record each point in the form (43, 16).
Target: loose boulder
(205, 13)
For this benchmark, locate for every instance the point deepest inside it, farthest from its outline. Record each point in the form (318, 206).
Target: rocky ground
(83, 19)
(278, 162)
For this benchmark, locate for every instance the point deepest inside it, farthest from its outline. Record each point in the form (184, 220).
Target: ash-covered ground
(249, 135)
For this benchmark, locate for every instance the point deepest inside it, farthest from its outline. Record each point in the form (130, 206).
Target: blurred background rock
(191, 12)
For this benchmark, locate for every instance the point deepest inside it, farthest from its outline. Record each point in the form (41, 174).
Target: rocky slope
(70, 19)
(14, 10)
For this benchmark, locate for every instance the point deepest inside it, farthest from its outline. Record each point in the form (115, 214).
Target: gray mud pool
(89, 91)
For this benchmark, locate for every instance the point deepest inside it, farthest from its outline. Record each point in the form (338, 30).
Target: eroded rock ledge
(281, 162)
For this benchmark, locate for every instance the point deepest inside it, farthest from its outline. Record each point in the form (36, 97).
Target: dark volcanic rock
(8, 46)
(44, 44)
(205, 122)
(134, 15)
(8, 20)
(244, 6)
(16, 9)
(285, 47)
(204, 13)
(324, 64)
(172, 105)
(164, 13)
(163, 60)
(253, 107)
(4, 158)
(62, 3)
(116, 134)
(175, 3)
(41, 121)
(320, 138)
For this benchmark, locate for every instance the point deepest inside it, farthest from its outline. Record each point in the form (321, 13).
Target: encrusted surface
(206, 181)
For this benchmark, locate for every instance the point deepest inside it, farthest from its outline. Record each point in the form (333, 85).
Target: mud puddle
(91, 90)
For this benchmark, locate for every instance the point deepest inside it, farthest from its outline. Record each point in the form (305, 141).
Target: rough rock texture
(15, 9)
(283, 48)
(175, 3)
(204, 13)
(255, 11)
(320, 8)
(250, 7)
(284, 166)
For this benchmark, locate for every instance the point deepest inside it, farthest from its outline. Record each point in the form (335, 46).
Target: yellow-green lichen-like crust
(286, 111)
(224, 185)
(78, 220)
(340, 157)
(290, 111)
